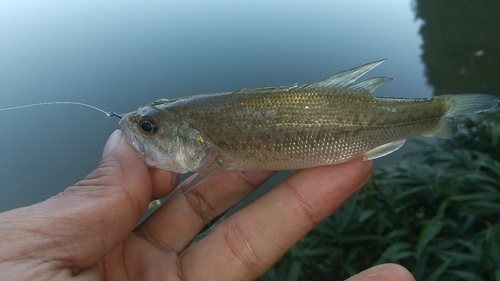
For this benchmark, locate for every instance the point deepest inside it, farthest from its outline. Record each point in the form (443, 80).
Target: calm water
(119, 55)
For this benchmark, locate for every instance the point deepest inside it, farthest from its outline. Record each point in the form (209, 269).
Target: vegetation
(460, 45)
(436, 212)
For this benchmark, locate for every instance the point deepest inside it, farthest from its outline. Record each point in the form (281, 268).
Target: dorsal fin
(266, 89)
(369, 85)
(346, 79)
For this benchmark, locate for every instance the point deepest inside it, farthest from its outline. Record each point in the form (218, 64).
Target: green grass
(436, 212)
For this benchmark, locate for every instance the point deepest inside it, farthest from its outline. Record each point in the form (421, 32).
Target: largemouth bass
(286, 128)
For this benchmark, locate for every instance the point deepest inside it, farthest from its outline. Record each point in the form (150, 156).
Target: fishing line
(109, 114)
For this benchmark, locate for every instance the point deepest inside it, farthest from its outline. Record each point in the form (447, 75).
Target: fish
(332, 121)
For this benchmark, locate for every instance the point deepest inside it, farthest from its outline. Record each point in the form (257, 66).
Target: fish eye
(148, 125)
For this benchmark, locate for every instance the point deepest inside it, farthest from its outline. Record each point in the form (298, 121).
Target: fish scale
(285, 128)
(288, 142)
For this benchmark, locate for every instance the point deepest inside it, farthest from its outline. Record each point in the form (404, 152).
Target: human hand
(90, 232)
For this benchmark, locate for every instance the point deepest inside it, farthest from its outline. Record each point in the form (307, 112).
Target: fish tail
(461, 104)
(469, 103)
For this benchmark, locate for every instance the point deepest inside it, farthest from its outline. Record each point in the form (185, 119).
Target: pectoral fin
(201, 177)
(383, 150)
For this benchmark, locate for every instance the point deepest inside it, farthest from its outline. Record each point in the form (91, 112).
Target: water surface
(119, 55)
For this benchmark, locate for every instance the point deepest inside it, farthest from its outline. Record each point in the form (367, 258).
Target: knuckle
(200, 205)
(306, 207)
(243, 250)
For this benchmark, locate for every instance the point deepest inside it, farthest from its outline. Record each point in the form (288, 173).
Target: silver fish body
(328, 122)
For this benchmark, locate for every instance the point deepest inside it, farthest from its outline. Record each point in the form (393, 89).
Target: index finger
(253, 239)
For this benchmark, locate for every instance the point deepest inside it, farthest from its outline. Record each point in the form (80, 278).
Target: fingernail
(112, 142)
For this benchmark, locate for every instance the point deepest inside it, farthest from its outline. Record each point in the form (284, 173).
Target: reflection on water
(461, 45)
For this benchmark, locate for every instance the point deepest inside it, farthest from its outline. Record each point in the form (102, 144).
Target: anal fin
(383, 150)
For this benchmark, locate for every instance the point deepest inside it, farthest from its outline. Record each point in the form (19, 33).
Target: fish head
(164, 140)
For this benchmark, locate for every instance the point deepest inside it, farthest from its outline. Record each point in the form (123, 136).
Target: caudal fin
(461, 104)
(469, 103)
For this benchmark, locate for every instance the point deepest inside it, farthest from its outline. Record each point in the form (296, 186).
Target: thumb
(86, 221)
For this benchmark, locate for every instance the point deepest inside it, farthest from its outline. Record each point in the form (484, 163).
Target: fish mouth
(131, 137)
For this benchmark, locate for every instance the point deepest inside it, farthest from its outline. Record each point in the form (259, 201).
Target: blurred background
(119, 55)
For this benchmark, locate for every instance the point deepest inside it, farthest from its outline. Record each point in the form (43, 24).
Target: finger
(186, 214)
(163, 182)
(253, 239)
(86, 221)
(384, 272)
